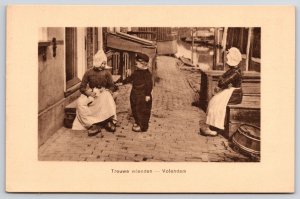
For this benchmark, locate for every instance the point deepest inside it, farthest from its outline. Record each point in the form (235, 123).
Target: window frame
(73, 84)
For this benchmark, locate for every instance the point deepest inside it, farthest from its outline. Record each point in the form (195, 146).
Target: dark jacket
(96, 79)
(232, 78)
(142, 81)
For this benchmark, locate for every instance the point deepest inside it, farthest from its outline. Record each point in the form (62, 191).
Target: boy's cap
(142, 57)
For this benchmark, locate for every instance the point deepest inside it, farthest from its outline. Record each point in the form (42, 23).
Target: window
(71, 57)
(247, 40)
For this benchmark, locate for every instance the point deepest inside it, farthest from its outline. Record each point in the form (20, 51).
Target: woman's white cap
(234, 56)
(99, 58)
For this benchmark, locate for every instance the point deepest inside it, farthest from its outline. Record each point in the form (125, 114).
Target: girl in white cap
(96, 107)
(228, 91)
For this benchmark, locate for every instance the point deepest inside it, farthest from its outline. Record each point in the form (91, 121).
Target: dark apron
(236, 97)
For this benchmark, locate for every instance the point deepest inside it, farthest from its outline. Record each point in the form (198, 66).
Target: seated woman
(228, 92)
(96, 107)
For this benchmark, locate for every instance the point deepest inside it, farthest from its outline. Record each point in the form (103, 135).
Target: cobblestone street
(173, 135)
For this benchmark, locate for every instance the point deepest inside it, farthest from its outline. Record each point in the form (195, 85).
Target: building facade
(64, 54)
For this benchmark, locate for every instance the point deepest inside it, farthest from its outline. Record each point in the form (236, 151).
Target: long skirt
(98, 110)
(216, 110)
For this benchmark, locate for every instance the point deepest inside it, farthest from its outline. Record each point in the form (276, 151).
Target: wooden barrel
(247, 139)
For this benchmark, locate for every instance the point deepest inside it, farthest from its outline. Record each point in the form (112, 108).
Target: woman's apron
(94, 111)
(216, 110)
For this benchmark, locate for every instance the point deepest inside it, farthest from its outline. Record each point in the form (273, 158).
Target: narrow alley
(173, 135)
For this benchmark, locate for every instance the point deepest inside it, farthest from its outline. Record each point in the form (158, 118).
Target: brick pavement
(173, 135)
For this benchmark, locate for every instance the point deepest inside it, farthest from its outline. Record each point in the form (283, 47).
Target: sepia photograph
(150, 99)
(163, 94)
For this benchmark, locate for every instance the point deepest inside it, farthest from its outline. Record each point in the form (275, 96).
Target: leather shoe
(93, 130)
(110, 126)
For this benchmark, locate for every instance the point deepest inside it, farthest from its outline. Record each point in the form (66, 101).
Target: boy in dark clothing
(140, 96)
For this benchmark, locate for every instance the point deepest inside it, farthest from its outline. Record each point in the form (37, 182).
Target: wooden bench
(70, 109)
(209, 80)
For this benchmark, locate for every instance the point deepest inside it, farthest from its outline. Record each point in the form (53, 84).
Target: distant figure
(228, 91)
(140, 96)
(96, 107)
